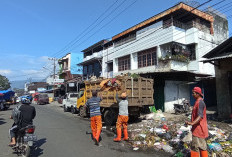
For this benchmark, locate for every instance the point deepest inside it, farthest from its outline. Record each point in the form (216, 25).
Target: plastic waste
(136, 148)
(152, 109)
(179, 154)
(215, 147)
(167, 136)
(168, 149)
(165, 127)
(143, 135)
(187, 138)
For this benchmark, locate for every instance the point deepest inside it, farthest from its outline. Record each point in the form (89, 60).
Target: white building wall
(178, 35)
(174, 93)
(106, 57)
(134, 61)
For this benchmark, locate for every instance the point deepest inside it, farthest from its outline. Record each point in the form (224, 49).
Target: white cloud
(21, 67)
(5, 71)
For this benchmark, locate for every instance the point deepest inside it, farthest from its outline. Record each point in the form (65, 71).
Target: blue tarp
(27, 96)
(7, 94)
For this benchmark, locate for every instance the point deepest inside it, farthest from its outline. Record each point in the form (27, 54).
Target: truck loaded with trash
(139, 91)
(6, 99)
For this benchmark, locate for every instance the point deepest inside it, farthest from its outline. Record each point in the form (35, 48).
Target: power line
(83, 34)
(105, 24)
(193, 9)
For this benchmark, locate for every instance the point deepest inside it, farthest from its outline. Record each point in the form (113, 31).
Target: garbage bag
(167, 136)
(168, 149)
(187, 138)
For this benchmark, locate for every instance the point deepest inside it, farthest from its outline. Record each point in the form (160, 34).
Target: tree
(4, 83)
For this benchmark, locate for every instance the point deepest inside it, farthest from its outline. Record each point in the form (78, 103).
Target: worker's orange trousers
(96, 126)
(122, 122)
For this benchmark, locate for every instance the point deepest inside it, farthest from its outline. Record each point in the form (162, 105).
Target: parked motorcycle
(183, 107)
(25, 138)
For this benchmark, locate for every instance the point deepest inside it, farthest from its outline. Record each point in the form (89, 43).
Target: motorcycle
(183, 107)
(26, 101)
(25, 138)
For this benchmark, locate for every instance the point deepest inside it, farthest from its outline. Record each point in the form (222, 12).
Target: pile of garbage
(174, 137)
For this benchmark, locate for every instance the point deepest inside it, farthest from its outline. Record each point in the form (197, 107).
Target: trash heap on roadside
(172, 136)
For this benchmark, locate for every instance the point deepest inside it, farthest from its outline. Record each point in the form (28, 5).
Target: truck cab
(81, 100)
(69, 102)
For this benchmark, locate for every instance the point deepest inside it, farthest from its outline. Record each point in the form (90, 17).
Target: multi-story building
(92, 60)
(168, 48)
(68, 66)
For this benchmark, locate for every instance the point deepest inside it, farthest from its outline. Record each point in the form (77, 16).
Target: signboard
(41, 89)
(58, 81)
(71, 84)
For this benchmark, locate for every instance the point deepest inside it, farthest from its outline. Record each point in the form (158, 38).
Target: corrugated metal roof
(179, 6)
(218, 58)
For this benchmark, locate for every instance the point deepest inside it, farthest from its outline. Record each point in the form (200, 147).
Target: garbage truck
(139, 91)
(6, 99)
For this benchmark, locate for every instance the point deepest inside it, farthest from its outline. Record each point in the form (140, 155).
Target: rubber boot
(96, 139)
(119, 135)
(194, 154)
(93, 135)
(204, 153)
(125, 134)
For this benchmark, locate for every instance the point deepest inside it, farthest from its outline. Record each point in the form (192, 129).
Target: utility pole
(54, 73)
(54, 66)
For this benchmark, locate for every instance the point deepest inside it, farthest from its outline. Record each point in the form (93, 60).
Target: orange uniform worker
(199, 125)
(95, 116)
(122, 117)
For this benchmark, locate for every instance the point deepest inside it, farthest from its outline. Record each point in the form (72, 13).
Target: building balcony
(164, 65)
(94, 55)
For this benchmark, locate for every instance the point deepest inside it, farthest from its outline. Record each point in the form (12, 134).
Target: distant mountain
(18, 84)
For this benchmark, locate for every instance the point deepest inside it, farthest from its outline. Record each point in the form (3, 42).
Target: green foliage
(134, 76)
(181, 58)
(4, 83)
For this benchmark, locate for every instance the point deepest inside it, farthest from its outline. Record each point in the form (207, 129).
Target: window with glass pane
(147, 58)
(124, 63)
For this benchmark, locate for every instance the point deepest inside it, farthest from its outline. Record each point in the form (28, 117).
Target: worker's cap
(123, 95)
(197, 90)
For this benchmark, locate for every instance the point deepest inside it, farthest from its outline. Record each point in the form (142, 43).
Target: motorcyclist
(28, 113)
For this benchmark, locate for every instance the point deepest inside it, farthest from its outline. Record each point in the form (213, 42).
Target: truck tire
(73, 110)
(110, 117)
(82, 112)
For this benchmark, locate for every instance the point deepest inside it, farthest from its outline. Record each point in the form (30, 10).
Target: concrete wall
(222, 86)
(174, 93)
(156, 36)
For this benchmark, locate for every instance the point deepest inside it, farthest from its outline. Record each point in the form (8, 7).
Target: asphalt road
(63, 134)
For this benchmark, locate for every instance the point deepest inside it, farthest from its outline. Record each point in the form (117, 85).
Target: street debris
(170, 134)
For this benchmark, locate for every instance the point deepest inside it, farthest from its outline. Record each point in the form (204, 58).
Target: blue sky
(33, 30)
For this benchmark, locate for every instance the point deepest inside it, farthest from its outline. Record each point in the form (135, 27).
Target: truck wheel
(82, 112)
(110, 117)
(73, 110)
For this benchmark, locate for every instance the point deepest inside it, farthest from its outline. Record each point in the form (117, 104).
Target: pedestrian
(95, 116)
(122, 117)
(199, 125)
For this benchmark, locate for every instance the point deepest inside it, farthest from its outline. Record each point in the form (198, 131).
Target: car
(42, 99)
(70, 102)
